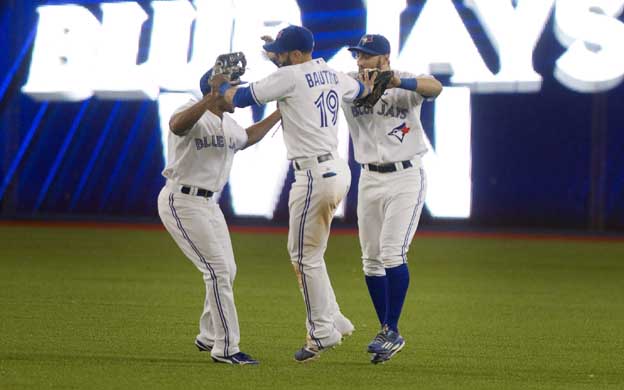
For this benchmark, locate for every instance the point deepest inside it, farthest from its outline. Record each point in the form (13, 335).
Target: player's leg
(312, 203)
(205, 338)
(222, 233)
(404, 206)
(370, 216)
(187, 219)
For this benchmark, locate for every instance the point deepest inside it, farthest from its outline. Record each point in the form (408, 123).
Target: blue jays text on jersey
(384, 110)
(215, 141)
(321, 77)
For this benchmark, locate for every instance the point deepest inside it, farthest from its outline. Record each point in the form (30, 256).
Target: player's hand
(270, 56)
(267, 38)
(368, 77)
(395, 81)
(217, 80)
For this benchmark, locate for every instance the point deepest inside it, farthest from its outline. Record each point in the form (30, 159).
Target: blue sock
(398, 282)
(378, 290)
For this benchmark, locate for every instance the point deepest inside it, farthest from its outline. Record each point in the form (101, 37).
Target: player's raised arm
(182, 121)
(275, 86)
(257, 131)
(427, 86)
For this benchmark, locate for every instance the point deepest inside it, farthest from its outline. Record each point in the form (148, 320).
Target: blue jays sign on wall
(88, 87)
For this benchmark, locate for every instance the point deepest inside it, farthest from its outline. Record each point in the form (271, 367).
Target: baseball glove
(380, 86)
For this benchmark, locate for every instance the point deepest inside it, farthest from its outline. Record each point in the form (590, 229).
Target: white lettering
(170, 39)
(595, 41)
(117, 75)
(514, 34)
(63, 52)
(439, 43)
(449, 184)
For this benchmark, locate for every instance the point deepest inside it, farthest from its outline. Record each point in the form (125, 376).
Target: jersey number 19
(327, 102)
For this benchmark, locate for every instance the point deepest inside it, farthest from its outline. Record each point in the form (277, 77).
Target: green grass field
(94, 308)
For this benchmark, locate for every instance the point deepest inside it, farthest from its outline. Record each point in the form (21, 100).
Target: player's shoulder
(411, 75)
(189, 103)
(353, 74)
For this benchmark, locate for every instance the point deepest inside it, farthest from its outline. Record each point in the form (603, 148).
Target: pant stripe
(409, 228)
(213, 275)
(306, 297)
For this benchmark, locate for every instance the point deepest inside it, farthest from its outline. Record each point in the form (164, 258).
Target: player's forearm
(181, 122)
(257, 131)
(428, 86)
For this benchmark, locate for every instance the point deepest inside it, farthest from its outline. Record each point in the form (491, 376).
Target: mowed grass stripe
(107, 308)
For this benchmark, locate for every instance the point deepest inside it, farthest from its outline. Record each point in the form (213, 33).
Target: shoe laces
(242, 356)
(381, 337)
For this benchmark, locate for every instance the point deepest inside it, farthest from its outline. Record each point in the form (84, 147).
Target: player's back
(309, 97)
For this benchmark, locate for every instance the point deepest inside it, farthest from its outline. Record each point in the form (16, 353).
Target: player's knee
(373, 267)
(394, 261)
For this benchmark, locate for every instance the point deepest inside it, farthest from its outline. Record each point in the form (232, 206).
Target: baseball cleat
(202, 346)
(384, 357)
(311, 351)
(239, 358)
(307, 354)
(387, 341)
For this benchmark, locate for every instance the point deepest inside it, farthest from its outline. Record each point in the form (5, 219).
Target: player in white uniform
(309, 94)
(388, 143)
(201, 147)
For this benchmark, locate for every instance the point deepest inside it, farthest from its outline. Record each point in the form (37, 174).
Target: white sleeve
(275, 86)
(417, 98)
(185, 106)
(350, 87)
(241, 139)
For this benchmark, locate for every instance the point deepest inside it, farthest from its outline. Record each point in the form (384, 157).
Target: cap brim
(273, 47)
(364, 50)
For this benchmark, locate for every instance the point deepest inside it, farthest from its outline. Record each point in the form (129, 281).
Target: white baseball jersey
(203, 157)
(391, 131)
(309, 97)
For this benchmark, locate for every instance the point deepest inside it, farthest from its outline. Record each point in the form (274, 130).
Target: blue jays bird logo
(400, 131)
(366, 39)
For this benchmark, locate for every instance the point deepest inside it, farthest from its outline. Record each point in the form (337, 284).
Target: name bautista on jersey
(215, 141)
(321, 78)
(384, 110)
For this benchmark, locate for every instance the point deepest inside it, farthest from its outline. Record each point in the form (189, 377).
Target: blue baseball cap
(204, 82)
(373, 44)
(291, 38)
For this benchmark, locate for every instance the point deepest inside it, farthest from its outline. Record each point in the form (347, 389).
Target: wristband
(409, 84)
(224, 87)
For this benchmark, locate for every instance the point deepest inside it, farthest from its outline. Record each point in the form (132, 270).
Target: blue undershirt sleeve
(243, 98)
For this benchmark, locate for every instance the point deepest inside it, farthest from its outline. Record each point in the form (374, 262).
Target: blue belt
(385, 168)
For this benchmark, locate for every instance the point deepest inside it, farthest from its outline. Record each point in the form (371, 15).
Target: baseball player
(388, 143)
(202, 145)
(309, 94)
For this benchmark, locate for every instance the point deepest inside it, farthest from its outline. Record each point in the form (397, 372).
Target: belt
(196, 191)
(390, 167)
(305, 163)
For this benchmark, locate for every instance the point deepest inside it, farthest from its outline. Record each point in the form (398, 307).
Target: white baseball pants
(198, 227)
(389, 208)
(313, 199)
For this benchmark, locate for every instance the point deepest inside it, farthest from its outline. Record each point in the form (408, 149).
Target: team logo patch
(399, 132)
(366, 39)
